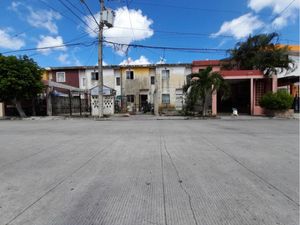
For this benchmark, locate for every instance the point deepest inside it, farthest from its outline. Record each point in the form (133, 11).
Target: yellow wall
(45, 75)
(292, 48)
(141, 80)
(139, 85)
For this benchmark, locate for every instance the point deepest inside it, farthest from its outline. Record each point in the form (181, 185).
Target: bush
(280, 100)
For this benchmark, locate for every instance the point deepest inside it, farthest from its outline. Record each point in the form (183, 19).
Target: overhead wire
(276, 16)
(187, 49)
(78, 17)
(90, 11)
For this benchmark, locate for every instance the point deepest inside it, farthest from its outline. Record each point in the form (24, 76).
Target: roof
(227, 73)
(63, 86)
(106, 90)
(117, 66)
(292, 48)
(206, 63)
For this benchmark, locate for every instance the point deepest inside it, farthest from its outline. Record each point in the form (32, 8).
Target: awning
(288, 80)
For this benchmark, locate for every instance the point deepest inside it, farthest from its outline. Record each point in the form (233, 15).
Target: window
(260, 90)
(130, 98)
(118, 81)
(165, 74)
(152, 80)
(60, 77)
(129, 75)
(95, 75)
(200, 70)
(83, 82)
(165, 98)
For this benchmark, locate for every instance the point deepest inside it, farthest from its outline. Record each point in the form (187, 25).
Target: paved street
(143, 172)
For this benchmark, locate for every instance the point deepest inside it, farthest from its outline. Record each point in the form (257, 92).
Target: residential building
(247, 87)
(290, 80)
(137, 87)
(65, 75)
(170, 79)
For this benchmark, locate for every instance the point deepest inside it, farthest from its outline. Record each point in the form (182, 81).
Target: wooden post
(49, 102)
(70, 102)
(252, 90)
(80, 104)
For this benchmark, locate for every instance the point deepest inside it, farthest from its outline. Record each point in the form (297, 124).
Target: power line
(50, 47)
(275, 17)
(75, 7)
(120, 44)
(175, 32)
(127, 4)
(185, 7)
(65, 15)
(166, 47)
(86, 5)
(78, 17)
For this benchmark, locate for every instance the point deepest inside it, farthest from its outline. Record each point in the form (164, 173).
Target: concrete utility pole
(100, 60)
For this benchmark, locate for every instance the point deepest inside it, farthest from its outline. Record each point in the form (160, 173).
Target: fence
(73, 105)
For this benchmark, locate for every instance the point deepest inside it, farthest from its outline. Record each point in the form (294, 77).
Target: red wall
(72, 77)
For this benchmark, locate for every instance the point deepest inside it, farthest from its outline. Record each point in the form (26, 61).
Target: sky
(203, 30)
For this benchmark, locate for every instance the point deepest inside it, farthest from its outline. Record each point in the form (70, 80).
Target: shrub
(280, 100)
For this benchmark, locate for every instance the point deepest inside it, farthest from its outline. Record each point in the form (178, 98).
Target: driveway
(139, 172)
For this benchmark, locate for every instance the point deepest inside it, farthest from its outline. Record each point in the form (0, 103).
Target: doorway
(143, 103)
(239, 97)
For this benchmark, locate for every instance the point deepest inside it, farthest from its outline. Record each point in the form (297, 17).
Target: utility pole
(100, 60)
(106, 18)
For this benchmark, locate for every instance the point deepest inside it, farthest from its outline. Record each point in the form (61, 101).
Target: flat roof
(118, 66)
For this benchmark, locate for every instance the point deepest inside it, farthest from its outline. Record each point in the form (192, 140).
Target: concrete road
(143, 172)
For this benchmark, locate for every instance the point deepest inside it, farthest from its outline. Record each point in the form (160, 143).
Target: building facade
(138, 88)
(247, 87)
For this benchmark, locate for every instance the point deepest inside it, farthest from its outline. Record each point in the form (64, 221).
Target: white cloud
(43, 19)
(37, 18)
(14, 6)
(277, 6)
(10, 42)
(64, 59)
(77, 62)
(141, 61)
(240, 27)
(48, 41)
(130, 25)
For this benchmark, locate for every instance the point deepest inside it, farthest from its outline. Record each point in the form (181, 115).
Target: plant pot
(289, 113)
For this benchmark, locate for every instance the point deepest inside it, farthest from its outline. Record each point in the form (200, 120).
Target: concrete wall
(2, 110)
(175, 83)
(108, 78)
(139, 85)
(72, 77)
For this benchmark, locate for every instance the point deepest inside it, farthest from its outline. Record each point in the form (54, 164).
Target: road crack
(181, 182)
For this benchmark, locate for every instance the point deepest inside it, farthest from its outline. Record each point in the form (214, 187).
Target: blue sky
(213, 24)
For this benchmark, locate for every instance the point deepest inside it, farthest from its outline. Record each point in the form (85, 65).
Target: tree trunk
(33, 106)
(204, 106)
(19, 108)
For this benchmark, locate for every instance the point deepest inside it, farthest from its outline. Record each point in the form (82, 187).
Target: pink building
(247, 87)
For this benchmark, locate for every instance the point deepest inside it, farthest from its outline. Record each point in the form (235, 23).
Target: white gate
(179, 99)
(108, 105)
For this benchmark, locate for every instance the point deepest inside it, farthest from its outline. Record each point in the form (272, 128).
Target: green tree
(20, 79)
(201, 87)
(260, 52)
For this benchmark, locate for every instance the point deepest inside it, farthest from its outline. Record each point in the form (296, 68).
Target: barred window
(260, 90)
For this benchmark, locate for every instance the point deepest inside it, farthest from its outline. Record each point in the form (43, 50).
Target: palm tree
(201, 87)
(260, 52)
